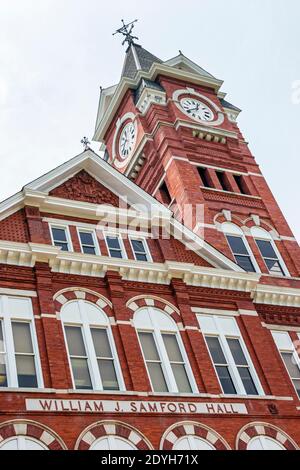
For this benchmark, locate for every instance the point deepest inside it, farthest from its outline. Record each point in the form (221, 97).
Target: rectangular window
(229, 355)
(221, 364)
(223, 181)
(270, 257)
(105, 359)
(241, 184)
(114, 247)
(240, 252)
(153, 362)
(140, 251)
(88, 242)
(177, 363)
(24, 355)
(60, 238)
(289, 356)
(78, 358)
(3, 373)
(203, 173)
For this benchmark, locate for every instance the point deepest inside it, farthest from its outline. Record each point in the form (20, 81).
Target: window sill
(26, 390)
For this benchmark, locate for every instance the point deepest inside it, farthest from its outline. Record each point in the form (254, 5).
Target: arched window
(112, 443)
(240, 247)
(163, 351)
(22, 443)
(192, 443)
(264, 443)
(269, 252)
(92, 353)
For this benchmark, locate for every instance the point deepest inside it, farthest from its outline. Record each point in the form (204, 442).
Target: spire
(137, 58)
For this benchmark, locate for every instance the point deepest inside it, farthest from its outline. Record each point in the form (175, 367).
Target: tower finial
(85, 142)
(126, 31)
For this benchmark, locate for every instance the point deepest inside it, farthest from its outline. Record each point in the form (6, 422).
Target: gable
(14, 228)
(185, 255)
(83, 187)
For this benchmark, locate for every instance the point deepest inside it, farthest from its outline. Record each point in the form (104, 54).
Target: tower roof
(137, 58)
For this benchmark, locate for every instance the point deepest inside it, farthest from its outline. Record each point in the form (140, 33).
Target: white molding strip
(275, 295)
(17, 292)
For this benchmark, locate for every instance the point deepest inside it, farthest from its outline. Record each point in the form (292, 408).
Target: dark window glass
(87, 243)
(240, 253)
(139, 250)
(105, 359)
(203, 173)
(223, 181)
(271, 259)
(24, 355)
(78, 358)
(153, 362)
(242, 365)
(237, 352)
(226, 381)
(114, 247)
(247, 381)
(60, 238)
(241, 184)
(216, 350)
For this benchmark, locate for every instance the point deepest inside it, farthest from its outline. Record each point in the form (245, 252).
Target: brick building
(150, 299)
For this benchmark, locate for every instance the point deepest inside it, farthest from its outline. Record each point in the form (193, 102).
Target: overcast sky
(55, 54)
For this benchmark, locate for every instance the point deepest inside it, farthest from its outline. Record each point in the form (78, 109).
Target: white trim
(157, 332)
(292, 350)
(17, 292)
(67, 232)
(268, 238)
(6, 318)
(212, 104)
(232, 367)
(239, 233)
(145, 245)
(121, 244)
(85, 327)
(94, 236)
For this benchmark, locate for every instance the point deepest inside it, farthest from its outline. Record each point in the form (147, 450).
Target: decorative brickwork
(111, 428)
(188, 428)
(264, 429)
(155, 302)
(83, 187)
(66, 295)
(32, 429)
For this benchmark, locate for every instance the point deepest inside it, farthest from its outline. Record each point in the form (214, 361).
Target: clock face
(127, 140)
(196, 110)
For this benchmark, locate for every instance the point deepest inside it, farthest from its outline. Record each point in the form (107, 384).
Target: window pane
(75, 341)
(216, 350)
(141, 257)
(26, 371)
(2, 348)
(81, 374)
(172, 348)
(273, 266)
(138, 245)
(292, 367)
(181, 378)
(89, 250)
(149, 347)
(86, 238)
(22, 338)
(237, 245)
(157, 377)
(101, 343)
(297, 386)
(237, 352)
(59, 234)
(3, 376)
(113, 242)
(245, 263)
(63, 246)
(247, 380)
(226, 381)
(108, 375)
(266, 249)
(115, 254)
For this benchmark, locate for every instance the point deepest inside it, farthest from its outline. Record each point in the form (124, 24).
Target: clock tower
(168, 126)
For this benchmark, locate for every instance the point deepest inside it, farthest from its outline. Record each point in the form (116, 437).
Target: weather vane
(85, 142)
(126, 31)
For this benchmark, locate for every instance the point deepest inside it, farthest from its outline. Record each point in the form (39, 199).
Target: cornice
(274, 295)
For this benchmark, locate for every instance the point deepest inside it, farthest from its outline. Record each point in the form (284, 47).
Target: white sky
(54, 55)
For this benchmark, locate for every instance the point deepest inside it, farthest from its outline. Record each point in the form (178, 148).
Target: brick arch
(77, 293)
(32, 429)
(265, 225)
(191, 428)
(111, 428)
(263, 429)
(140, 301)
